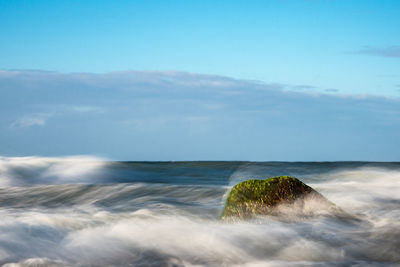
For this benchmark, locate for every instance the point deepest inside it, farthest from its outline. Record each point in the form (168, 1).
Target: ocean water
(84, 211)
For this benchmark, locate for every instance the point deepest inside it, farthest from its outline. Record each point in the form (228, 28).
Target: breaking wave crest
(17, 171)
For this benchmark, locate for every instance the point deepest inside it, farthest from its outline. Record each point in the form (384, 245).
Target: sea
(87, 211)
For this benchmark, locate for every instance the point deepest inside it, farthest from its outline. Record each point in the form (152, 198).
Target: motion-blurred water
(83, 211)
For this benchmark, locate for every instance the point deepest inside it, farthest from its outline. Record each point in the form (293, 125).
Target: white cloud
(192, 116)
(31, 120)
(86, 109)
(40, 119)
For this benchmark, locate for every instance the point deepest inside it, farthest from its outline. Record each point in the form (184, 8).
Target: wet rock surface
(275, 196)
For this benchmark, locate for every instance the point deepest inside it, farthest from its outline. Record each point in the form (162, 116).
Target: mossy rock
(267, 197)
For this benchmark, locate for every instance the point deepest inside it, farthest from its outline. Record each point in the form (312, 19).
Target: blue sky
(141, 80)
(325, 44)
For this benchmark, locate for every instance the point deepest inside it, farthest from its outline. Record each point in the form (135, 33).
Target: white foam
(360, 188)
(48, 170)
(90, 235)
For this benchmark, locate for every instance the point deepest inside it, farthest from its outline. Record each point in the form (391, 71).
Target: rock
(281, 195)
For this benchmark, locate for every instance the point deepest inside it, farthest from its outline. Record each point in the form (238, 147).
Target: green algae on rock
(263, 197)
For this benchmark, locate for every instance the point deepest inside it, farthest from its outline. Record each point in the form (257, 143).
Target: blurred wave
(86, 211)
(16, 171)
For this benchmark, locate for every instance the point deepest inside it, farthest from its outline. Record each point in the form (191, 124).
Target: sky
(201, 80)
